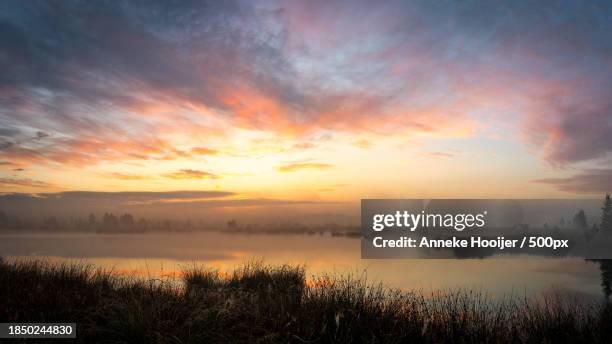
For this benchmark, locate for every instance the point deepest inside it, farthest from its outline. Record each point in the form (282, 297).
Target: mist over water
(155, 255)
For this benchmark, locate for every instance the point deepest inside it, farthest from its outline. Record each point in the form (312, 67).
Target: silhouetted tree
(109, 220)
(605, 266)
(590, 233)
(606, 215)
(580, 221)
(92, 219)
(126, 220)
(232, 224)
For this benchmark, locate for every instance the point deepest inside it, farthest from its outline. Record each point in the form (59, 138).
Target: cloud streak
(170, 204)
(126, 176)
(303, 166)
(191, 174)
(440, 155)
(596, 181)
(119, 196)
(23, 182)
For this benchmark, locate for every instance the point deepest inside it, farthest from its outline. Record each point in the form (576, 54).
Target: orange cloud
(27, 182)
(126, 176)
(203, 151)
(303, 166)
(363, 143)
(303, 145)
(91, 150)
(190, 174)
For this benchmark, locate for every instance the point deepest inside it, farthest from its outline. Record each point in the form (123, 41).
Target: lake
(159, 254)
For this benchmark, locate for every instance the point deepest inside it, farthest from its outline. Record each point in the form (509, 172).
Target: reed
(274, 304)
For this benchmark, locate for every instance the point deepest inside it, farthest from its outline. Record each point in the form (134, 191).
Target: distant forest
(105, 222)
(109, 222)
(128, 223)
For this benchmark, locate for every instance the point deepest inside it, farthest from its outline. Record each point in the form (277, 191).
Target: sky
(305, 102)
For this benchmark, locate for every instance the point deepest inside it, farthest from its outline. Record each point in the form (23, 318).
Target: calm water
(163, 254)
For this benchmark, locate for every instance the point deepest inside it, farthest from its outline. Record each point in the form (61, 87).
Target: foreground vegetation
(271, 304)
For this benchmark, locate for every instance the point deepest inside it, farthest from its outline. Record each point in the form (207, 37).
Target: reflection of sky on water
(157, 254)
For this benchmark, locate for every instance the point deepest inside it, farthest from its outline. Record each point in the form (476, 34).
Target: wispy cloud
(171, 203)
(303, 166)
(24, 182)
(191, 174)
(103, 201)
(438, 155)
(587, 181)
(204, 151)
(363, 143)
(126, 176)
(137, 195)
(246, 202)
(303, 145)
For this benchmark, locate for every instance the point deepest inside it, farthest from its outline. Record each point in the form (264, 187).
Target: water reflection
(164, 254)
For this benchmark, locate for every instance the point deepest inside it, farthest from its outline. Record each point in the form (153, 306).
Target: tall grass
(258, 303)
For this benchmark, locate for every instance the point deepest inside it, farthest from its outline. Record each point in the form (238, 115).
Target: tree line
(107, 221)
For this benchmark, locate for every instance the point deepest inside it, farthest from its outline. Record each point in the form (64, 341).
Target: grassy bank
(259, 303)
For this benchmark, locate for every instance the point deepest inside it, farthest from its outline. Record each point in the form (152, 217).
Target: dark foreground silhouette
(276, 304)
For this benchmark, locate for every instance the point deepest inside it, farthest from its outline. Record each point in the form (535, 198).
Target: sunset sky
(307, 100)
